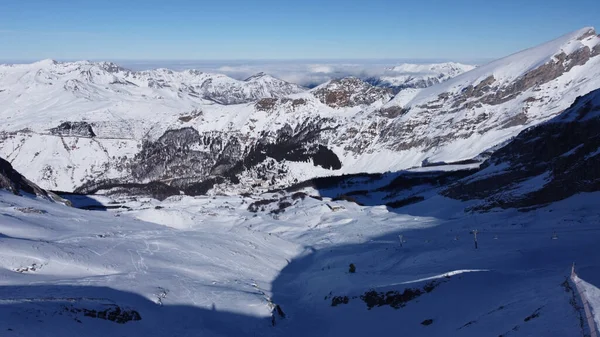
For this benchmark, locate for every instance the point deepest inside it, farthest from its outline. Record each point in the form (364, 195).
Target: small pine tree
(352, 268)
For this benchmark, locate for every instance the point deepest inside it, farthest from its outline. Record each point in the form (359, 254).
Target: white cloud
(319, 68)
(305, 73)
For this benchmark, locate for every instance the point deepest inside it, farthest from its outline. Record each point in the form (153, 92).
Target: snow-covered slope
(221, 266)
(103, 127)
(546, 163)
(12, 181)
(462, 117)
(409, 75)
(101, 80)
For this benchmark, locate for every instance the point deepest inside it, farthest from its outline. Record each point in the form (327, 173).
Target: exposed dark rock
(293, 144)
(535, 314)
(337, 300)
(153, 189)
(265, 104)
(562, 154)
(402, 134)
(114, 313)
(519, 119)
(392, 112)
(427, 163)
(269, 104)
(185, 160)
(14, 182)
(74, 129)
(31, 210)
(299, 195)
(298, 102)
(394, 299)
(34, 267)
(427, 322)
(259, 205)
(111, 67)
(194, 114)
(351, 91)
(596, 50)
(281, 206)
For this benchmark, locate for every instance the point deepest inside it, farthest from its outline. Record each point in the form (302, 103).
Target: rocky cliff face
(256, 87)
(15, 183)
(495, 100)
(73, 129)
(546, 163)
(349, 92)
(192, 163)
(543, 164)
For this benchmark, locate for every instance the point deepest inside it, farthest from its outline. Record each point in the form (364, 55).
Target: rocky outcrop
(74, 129)
(15, 183)
(270, 104)
(511, 93)
(547, 163)
(186, 161)
(349, 92)
(487, 92)
(113, 313)
(252, 89)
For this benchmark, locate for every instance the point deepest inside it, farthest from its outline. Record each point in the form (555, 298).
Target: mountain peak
(560, 54)
(348, 92)
(586, 32)
(46, 63)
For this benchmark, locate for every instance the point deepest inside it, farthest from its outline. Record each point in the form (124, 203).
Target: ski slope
(208, 266)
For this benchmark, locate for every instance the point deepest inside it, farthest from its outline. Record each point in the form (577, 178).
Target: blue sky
(283, 29)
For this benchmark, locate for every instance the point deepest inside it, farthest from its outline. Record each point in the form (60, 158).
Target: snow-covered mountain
(350, 255)
(297, 264)
(415, 76)
(103, 127)
(97, 80)
(549, 162)
(466, 115)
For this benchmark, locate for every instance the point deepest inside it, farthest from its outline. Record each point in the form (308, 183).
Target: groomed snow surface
(206, 266)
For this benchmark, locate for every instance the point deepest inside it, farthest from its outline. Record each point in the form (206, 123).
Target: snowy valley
(450, 202)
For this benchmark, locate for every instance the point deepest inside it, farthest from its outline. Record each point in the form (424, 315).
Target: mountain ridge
(274, 141)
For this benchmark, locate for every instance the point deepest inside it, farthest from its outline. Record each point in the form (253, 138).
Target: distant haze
(303, 72)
